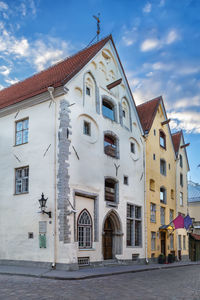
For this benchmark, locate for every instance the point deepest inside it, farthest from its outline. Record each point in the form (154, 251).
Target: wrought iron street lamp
(42, 202)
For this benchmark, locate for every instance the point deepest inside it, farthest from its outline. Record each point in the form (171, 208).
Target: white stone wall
(19, 213)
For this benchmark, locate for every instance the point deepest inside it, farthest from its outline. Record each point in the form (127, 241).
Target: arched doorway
(112, 236)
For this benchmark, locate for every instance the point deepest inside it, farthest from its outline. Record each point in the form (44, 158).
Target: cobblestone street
(176, 283)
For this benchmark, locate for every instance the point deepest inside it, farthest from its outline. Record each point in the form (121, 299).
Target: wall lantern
(42, 202)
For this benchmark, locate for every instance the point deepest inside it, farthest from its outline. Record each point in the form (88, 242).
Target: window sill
(111, 204)
(20, 144)
(134, 246)
(15, 194)
(86, 249)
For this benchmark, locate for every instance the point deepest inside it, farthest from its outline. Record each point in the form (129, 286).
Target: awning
(166, 227)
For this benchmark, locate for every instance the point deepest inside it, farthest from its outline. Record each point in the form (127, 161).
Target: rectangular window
(153, 241)
(21, 132)
(181, 179)
(162, 215)
(110, 190)
(154, 157)
(172, 242)
(86, 128)
(134, 226)
(184, 243)
(181, 161)
(126, 180)
(153, 212)
(154, 132)
(21, 180)
(171, 215)
(132, 145)
(181, 199)
(163, 195)
(162, 167)
(179, 242)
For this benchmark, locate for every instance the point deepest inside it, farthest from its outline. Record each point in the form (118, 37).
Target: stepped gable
(147, 112)
(56, 75)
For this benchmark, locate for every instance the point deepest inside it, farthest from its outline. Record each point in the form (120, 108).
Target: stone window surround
(113, 103)
(112, 134)
(109, 203)
(95, 220)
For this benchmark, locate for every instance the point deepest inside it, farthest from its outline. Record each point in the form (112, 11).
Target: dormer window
(162, 139)
(108, 110)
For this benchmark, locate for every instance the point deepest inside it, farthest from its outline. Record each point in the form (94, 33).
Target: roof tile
(56, 75)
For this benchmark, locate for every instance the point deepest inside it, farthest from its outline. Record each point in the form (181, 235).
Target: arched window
(162, 139)
(152, 185)
(108, 109)
(84, 230)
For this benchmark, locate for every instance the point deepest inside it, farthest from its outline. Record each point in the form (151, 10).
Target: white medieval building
(72, 133)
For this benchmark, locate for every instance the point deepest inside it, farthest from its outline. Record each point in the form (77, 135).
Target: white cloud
(162, 3)
(32, 6)
(3, 5)
(188, 121)
(147, 8)
(11, 81)
(186, 102)
(150, 44)
(154, 43)
(4, 70)
(171, 37)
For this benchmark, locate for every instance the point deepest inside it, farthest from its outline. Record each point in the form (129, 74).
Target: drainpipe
(51, 90)
(145, 201)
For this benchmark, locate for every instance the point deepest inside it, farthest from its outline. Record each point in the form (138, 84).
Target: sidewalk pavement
(86, 273)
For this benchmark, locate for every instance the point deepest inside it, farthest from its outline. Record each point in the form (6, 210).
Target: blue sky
(158, 42)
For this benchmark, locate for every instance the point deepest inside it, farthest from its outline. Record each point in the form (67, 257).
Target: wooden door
(108, 240)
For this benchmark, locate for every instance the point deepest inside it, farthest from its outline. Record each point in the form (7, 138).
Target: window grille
(84, 230)
(83, 261)
(21, 135)
(21, 180)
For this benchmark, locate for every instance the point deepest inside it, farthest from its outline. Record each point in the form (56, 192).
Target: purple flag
(178, 222)
(187, 222)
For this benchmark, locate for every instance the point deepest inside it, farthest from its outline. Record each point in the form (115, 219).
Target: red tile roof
(176, 138)
(147, 112)
(195, 236)
(57, 75)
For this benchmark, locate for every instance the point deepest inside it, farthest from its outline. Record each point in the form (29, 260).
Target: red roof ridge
(144, 103)
(56, 75)
(57, 63)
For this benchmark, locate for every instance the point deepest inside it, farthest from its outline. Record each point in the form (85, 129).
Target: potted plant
(161, 258)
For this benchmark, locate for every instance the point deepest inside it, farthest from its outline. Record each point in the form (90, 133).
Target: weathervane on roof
(98, 25)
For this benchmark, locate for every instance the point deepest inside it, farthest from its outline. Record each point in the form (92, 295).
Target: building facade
(72, 132)
(160, 179)
(182, 168)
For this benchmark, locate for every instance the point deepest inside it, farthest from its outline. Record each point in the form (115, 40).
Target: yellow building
(160, 179)
(182, 167)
